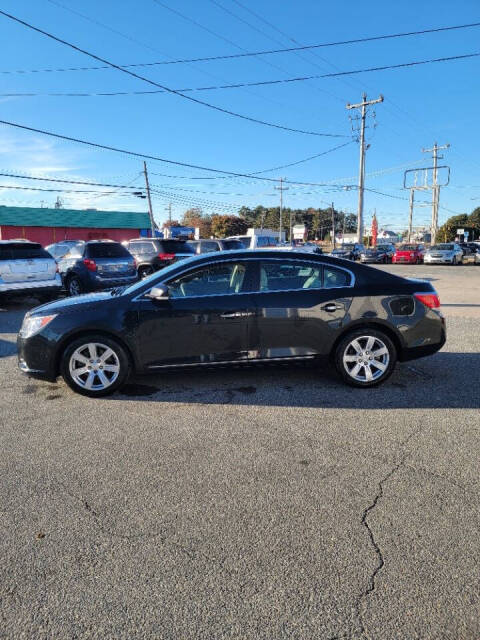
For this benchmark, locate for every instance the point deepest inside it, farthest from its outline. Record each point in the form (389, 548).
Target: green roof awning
(41, 217)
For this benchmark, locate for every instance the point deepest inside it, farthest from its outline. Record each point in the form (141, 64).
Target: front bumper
(36, 358)
(38, 286)
(402, 260)
(442, 260)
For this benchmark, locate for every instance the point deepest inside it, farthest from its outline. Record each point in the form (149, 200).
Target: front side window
(285, 276)
(214, 280)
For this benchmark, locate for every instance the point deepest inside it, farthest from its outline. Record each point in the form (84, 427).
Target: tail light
(430, 300)
(166, 256)
(90, 264)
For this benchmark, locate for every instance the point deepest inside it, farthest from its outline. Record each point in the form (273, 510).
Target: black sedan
(236, 307)
(376, 255)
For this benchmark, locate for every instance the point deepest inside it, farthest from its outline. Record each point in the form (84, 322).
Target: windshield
(347, 246)
(442, 247)
(407, 247)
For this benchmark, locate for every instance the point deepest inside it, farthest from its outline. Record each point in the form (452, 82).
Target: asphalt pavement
(261, 503)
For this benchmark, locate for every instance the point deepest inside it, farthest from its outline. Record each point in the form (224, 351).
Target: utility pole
(150, 211)
(435, 187)
(169, 209)
(361, 171)
(281, 188)
(410, 215)
(333, 224)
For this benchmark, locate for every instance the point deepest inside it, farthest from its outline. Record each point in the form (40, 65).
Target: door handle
(238, 314)
(330, 307)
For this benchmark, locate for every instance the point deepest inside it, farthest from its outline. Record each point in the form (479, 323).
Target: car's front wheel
(95, 365)
(365, 358)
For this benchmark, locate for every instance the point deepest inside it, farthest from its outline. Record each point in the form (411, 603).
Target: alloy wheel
(94, 366)
(366, 358)
(74, 287)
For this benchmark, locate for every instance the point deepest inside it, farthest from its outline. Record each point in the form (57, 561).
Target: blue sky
(422, 104)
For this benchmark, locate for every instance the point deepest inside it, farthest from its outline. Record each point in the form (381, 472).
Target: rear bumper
(413, 353)
(39, 286)
(99, 284)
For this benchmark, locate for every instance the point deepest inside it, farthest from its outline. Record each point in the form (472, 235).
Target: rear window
(141, 247)
(107, 250)
(231, 245)
(175, 246)
(23, 251)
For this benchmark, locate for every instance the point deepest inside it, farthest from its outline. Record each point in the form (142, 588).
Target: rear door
(22, 262)
(300, 305)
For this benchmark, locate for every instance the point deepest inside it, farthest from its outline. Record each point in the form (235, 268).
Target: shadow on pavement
(446, 380)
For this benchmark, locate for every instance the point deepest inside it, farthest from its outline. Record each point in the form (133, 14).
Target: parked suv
(153, 254)
(26, 268)
(97, 264)
(60, 249)
(207, 246)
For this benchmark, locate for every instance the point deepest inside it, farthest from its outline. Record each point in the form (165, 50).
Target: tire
(74, 286)
(143, 272)
(98, 352)
(349, 358)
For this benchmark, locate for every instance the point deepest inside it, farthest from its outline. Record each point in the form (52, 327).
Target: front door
(206, 318)
(300, 305)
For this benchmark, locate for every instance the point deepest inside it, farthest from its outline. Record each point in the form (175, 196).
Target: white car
(444, 253)
(27, 269)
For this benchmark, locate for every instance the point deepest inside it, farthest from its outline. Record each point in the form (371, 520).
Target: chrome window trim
(141, 296)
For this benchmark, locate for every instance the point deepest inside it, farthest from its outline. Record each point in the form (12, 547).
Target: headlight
(33, 324)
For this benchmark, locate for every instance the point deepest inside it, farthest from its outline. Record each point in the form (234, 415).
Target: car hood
(73, 304)
(430, 251)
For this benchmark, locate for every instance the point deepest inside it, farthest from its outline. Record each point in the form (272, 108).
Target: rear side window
(23, 251)
(285, 276)
(175, 246)
(333, 278)
(107, 250)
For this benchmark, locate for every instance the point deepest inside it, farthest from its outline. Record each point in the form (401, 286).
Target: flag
(374, 230)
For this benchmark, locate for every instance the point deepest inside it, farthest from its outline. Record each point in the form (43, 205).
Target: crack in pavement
(381, 560)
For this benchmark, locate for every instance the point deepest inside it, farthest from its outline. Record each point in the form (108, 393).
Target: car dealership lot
(263, 503)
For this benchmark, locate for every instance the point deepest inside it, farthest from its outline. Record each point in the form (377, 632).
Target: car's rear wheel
(143, 272)
(365, 358)
(74, 286)
(95, 365)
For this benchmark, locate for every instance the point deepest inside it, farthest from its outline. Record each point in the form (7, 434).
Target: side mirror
(159, 293)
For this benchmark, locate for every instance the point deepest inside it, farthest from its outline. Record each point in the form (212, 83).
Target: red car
(409, 254)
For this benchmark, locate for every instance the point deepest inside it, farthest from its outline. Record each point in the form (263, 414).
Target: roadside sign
(460, 232)
(466, 234)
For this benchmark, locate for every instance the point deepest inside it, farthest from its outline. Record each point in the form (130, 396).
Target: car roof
(16, 241)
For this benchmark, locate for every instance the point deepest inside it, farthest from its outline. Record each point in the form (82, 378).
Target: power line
(9, 186)
(92, 184)
(147, 156)
(156, 84)
(257, 83)
(241, 55)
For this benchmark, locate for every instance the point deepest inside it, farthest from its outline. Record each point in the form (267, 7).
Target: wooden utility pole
(333, 225)
(361, 171)
(150, 210)
(281, 188)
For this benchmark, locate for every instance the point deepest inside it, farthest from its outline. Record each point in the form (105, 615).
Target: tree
(196, 218)
(448, 231)
(172, 223)
(223, 226)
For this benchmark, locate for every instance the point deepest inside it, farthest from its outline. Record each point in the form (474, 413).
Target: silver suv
(27, 269)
